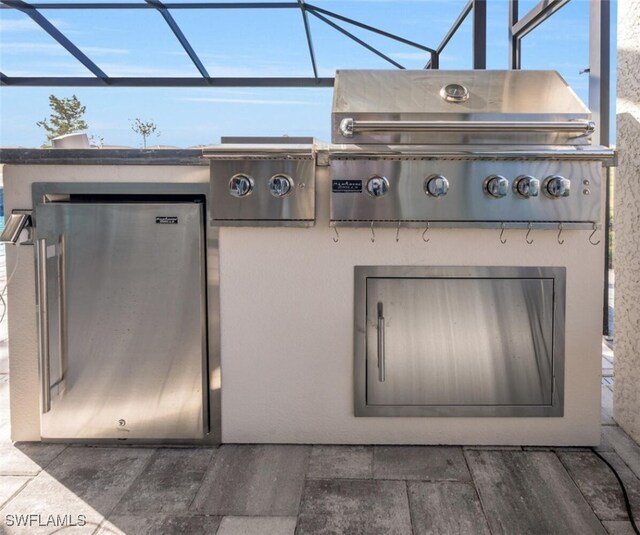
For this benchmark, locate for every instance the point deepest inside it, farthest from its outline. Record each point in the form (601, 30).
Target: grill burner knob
(280, 185)
(436, 186)
(526, 186)
(240, 185)
(496, 186)
(377, 186)
(556, 186)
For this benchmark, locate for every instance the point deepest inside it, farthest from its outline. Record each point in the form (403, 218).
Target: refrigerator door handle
(43, 327)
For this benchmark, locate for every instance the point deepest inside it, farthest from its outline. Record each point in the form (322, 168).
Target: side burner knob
(526, 186)
(556, 186)
(240, 185)
(280, 185)
(377, 186)
(436, 186)
(496, 186)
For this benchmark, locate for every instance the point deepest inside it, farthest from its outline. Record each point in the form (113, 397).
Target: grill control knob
(526, 186)
(496, 186)
(436, 186)
(556, 186)
(377, 186)
(280, 185)
(240, 185)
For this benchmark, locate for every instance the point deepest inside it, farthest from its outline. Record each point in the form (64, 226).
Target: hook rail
(502, 239)
(560, 229)
(424, 239)
(595, 229)
(526, 238)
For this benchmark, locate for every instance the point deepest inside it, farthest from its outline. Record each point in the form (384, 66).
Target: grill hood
(432, 107)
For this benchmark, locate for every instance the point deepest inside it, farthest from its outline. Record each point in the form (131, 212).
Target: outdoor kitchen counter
(287, 314)
(102, 156)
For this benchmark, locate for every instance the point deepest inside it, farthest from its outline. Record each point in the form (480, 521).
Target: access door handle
(381, 370)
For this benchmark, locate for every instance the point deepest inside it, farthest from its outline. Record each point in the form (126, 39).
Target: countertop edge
(102, 156)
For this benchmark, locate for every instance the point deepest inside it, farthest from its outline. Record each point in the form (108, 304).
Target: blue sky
(248, 43)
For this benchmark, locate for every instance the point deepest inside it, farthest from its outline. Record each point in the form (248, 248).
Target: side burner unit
(262, 184)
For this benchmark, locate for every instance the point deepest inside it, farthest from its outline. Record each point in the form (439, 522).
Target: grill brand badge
(346, 186)
(166, 220)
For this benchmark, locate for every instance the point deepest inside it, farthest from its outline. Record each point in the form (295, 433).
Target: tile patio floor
(279, 489)
(283, 489)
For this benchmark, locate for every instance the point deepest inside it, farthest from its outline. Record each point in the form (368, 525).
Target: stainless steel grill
(463, 148)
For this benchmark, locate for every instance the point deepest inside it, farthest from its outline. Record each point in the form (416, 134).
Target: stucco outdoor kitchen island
(391, 288)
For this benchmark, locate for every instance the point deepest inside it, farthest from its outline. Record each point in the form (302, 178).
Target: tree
(97, 141)
(67, 117)
(145, 129)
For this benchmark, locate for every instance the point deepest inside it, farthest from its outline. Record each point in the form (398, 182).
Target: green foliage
(67, 117)
(145, 129)
(612, 248)
(97, 141)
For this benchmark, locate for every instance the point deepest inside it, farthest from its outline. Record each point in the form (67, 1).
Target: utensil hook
(560, 228)
(398, 233)
(502, 239)
(373, 233)
(336, 238)
(426, 240)
(595, 229)
(526, 238)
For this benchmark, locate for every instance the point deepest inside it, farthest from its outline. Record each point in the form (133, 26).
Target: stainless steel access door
(123, 323)
(460, 341)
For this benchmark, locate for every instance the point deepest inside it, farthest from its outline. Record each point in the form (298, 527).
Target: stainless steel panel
(416, 96)
(213, 338)
(465, 200)
(502, 91)
(267, 140)
(296, 208)
(247, 149)
(127, 338)
(459, 341)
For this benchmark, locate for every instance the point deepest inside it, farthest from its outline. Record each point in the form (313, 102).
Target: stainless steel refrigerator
(122, 319)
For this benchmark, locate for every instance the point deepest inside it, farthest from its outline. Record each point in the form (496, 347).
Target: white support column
(627, 222)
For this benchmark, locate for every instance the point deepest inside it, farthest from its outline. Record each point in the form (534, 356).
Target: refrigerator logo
(166, 220)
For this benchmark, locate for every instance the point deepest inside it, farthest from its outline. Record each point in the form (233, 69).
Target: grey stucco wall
(627, 222)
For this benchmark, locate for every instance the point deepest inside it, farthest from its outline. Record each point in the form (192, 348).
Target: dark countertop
(102, 156)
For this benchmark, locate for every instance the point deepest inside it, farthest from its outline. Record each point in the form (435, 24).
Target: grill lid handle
(582, 127)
